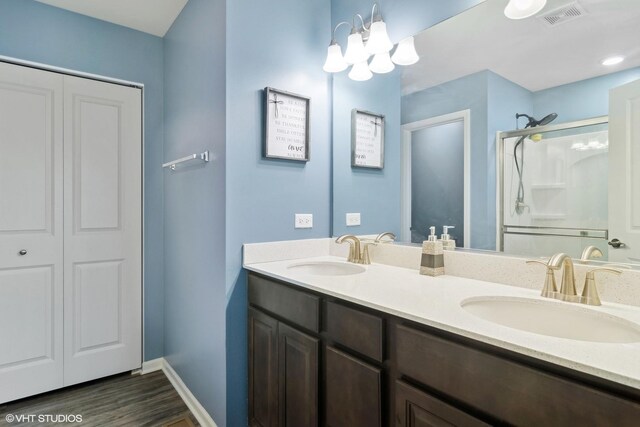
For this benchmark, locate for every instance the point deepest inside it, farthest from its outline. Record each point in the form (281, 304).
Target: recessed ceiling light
(614, 60)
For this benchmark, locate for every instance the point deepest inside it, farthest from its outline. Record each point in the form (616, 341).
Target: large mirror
(560, 176)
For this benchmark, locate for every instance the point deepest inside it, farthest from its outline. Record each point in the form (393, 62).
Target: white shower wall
(565, 186)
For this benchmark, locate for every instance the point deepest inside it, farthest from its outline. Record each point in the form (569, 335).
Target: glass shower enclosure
(553, 188)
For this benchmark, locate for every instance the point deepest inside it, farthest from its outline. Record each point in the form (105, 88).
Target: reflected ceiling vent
(563, 14)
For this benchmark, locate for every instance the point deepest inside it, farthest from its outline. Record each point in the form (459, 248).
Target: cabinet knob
(22, 252)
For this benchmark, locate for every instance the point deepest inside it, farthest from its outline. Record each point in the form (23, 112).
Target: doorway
(435, 177)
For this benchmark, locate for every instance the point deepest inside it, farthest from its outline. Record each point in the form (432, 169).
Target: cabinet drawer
(509, 391)
(353, 391)
(295, 306)
(415, 408)
(359, 331)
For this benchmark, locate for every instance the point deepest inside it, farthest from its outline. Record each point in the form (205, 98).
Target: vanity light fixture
(521, 9)
(613, 60)
(366, 41)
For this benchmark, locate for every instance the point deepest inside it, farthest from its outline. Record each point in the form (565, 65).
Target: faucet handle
(590, 291)
(550, 288)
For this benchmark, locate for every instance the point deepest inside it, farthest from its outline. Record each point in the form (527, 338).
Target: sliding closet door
(30, 232)
(102, 248)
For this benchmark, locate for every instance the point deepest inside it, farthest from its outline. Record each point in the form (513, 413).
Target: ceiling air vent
(563, 14)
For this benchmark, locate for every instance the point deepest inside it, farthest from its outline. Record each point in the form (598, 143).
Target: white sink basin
(327, 268)
(556, 319)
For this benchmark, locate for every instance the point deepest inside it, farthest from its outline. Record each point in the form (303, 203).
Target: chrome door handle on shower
(22, 252)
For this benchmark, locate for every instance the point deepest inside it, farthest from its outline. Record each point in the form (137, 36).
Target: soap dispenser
(448, 244)
(432, 262)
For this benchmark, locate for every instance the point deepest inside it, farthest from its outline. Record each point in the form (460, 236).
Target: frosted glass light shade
(355, 50)
(335, 61)
(381, 63)
(520, 9)
(405, 53)
(379, 41)
(360, 72)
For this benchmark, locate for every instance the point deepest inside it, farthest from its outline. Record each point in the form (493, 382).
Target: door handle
(616, 244)
(22, 252)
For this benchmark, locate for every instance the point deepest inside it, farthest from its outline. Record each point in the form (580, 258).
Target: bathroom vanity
(326, 350)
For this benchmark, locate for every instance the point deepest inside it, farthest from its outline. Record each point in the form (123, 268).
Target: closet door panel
(103, 246)
(31, 236)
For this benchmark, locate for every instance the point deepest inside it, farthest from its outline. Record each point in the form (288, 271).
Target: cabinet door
(353, 391)
(31, 238)
(298, 378)
(102, 229)
(263, 370)
(415, 408)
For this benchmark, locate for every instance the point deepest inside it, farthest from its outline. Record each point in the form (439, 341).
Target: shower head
(533, 122)
(547, 119)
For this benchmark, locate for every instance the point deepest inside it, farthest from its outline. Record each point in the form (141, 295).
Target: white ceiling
(527, 52)
(150, 16)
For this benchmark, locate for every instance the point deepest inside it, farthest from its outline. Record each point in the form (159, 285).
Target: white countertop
(435, 301)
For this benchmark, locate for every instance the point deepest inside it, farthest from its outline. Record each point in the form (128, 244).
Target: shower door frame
(500, 138)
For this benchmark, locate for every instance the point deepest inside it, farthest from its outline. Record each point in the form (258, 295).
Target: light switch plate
(353, 219)
(304, 221)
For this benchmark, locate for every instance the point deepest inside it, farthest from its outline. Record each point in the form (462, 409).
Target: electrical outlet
(304, 221)
(353, 219)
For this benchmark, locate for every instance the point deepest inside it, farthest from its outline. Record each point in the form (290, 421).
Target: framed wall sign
(286, 125)
(367, 139)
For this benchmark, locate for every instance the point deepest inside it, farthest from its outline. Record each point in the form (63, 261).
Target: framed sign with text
(286, 125)
(367, 139)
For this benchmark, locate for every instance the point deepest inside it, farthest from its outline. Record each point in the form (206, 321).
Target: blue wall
(583, 99)
(36, 32)
(279, 43)
(194, 203)
(373, 193)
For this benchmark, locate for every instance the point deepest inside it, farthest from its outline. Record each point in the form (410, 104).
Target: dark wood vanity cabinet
(283, 374)
(316, 360)
(283, 360)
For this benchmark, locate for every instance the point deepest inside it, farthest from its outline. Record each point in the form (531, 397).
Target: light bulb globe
(405, 53)
(335, 61)
(360, 72)
(379, 41)
(355, 52)
(381, 63)
(521, 9)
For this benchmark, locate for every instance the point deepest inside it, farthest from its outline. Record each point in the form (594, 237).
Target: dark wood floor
(121, 400)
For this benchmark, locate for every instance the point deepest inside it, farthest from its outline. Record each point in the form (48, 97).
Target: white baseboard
(189, 399)
(152, 365)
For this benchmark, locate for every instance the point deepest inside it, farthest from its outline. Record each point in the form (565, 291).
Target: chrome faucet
(354, 247)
